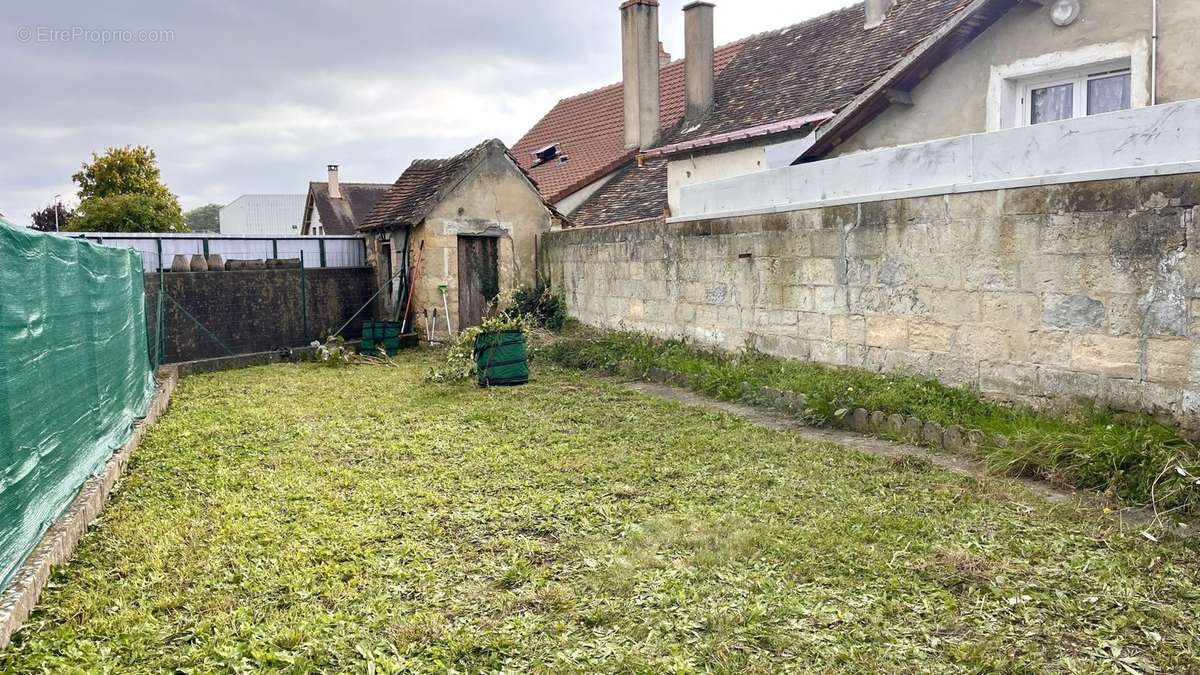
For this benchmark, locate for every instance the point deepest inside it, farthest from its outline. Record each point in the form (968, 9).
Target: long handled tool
(411, 287)
(366, 304)
(446, 306)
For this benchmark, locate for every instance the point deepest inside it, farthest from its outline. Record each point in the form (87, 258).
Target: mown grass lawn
(361, 520)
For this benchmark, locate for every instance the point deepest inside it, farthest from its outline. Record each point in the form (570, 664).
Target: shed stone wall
(1086, 290)
(496, 200)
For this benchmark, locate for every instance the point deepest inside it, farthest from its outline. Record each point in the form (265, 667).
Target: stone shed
(475, 221)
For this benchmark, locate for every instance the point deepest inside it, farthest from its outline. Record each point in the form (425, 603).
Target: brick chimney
(698, 47)
(877, 11)
(640, 66)
(335, 188)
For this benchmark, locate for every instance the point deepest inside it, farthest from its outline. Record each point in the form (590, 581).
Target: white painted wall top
(1156, 140)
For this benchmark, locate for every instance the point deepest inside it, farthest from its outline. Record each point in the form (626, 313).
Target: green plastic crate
(376, 334)
(380, 330)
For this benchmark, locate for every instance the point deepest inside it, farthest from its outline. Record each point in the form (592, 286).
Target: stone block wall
(254, 310)
(1085, 290)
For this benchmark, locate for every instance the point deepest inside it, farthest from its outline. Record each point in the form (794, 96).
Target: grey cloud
(259, 96)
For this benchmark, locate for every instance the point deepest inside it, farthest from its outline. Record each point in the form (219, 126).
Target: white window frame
(1078, 79)
(1006, 86)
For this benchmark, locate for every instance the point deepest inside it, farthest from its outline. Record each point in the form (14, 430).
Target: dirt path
(883, 448)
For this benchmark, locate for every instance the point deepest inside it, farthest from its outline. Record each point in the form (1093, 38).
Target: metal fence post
(321, 243)
(162, 321)
(303, 297)
(275, 249)
(205, 241)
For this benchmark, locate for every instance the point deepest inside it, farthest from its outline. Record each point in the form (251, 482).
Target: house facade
(1040, 62)
(472, 223)
(878, 74)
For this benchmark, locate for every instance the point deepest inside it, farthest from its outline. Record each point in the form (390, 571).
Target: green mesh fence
(74, 374)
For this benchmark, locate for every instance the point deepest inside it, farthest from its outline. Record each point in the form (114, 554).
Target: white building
(263, 215)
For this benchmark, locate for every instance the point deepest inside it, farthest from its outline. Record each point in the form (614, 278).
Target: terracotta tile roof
(342, 216)
(637, 193)
(805, 71)
(590, 130)
(747, 133)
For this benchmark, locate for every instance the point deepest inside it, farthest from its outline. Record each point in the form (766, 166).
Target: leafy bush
(540, 304)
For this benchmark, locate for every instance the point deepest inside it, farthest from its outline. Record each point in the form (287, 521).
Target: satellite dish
(1064, 12)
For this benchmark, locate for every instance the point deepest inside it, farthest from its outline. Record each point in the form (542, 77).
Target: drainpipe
(1154, 52)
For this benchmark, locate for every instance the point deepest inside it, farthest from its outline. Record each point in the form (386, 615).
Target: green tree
(121, 171)
(129, 213)
(204, 218)
(122, 191)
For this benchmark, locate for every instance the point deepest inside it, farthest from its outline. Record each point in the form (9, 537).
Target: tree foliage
(44, 220)
(121, 171)
(122, 191)
(205, 218)
(130, 213)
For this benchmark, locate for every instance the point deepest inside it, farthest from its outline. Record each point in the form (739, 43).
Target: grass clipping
(300, 519)
(460, 353)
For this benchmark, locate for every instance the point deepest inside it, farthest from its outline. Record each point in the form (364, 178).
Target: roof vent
(547, 153)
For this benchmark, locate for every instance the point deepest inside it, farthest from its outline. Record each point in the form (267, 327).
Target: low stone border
(913, 430)
(56, 546)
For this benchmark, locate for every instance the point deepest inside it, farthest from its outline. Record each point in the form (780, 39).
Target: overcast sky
(257, 97)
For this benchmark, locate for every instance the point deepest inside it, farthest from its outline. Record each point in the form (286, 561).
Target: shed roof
(423, 185)
(342, 216)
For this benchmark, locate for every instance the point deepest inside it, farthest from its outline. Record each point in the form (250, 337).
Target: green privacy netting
(74, 374)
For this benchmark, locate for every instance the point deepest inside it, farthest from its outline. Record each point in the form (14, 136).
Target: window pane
(1106, 94)
(1050, 104)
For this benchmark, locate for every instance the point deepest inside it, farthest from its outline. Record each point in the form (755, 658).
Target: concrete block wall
(1040, 294)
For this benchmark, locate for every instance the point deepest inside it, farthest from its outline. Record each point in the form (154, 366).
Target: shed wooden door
(478, 278)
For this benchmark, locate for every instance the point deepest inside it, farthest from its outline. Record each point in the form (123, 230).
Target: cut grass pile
(303, 519)
(1129, 457)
